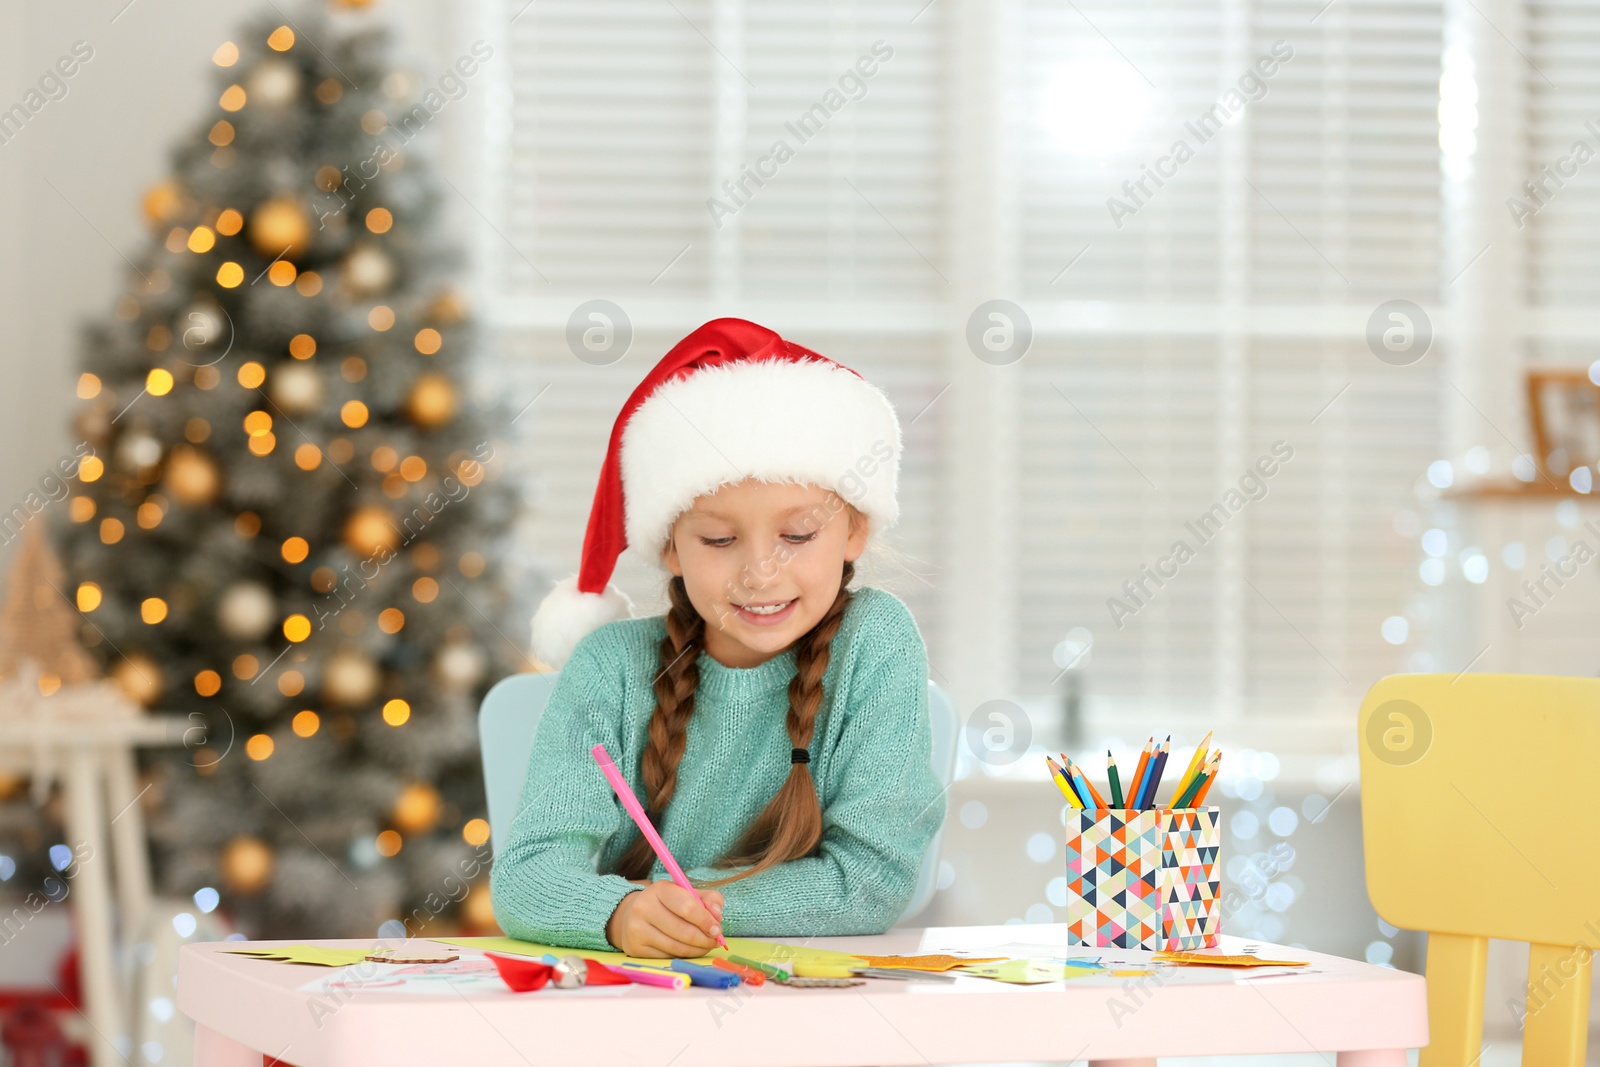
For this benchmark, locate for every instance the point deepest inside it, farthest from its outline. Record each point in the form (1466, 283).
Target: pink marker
(650, 976)
(631, 802)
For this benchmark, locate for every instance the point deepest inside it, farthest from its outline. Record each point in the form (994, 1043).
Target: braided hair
(790, 826)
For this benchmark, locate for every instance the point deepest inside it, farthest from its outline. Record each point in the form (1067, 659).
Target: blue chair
(510, 715)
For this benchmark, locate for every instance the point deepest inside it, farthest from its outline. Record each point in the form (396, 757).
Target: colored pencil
(1197, 761)
(1111, 776)
(1193, 787)
(1137, 783)
(1087, 786)
(1158, 763)
(1064, 783)
(1216, 764)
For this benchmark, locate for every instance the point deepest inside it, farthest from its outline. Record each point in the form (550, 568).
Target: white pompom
(567, 614)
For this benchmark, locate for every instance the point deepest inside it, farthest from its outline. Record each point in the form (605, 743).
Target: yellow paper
(815, 969)
(749, 948)
(314, 954)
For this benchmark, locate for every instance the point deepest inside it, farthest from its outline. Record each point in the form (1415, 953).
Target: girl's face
(774, 546)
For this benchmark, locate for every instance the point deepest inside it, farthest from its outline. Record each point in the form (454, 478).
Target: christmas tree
(288, 529)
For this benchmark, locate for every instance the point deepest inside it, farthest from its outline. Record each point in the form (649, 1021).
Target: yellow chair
(1477, 792)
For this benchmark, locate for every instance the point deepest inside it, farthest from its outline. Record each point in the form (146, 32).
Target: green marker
(777, 974)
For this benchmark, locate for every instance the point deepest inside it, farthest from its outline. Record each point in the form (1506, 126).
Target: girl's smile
(767, 612)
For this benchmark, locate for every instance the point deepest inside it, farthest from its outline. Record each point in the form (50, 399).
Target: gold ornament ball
(163, 202)
(279, 224)
(247, 610)
(273, 83)
(447, 308)
(478, 910)
(296, 387)
(460, 664)
(371, 529)
(352, 5)
(140, 677)
(416, 810)
(367, 271)
(433, 400)
(247, 864)
(192, 477)
(350, 679)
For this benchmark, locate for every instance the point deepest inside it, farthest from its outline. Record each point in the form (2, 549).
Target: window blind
(1177, 337)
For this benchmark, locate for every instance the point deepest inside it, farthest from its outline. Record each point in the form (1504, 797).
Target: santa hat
(731, 401)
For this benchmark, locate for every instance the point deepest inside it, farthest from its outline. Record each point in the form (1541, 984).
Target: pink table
(1368, 1015)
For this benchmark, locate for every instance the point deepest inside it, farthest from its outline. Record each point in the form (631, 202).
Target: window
(1190, 308)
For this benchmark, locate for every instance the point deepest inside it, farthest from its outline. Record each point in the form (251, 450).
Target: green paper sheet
(314, 954)
(750, 948)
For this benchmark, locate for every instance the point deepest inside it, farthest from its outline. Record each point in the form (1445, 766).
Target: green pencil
(1116, 782)
(1188, 794)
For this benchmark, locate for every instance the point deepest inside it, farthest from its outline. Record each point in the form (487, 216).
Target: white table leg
(211, 1049)
(90, 892)
(128, 840)
(1374, 1057)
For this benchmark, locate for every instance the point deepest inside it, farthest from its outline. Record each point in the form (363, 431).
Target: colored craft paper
(472, 975)
(1224, 961)
(522, 975)
(313, 954)
(1026, 972)
(929, 962)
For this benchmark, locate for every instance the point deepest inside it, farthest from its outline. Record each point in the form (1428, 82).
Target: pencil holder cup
(1144, 879)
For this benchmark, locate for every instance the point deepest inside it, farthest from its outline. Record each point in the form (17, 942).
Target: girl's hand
(665, 920)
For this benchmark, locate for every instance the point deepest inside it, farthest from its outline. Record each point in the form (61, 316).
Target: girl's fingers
(682, 930)
(683, 904)
(663, 941)
(672, 947)
(713, 901)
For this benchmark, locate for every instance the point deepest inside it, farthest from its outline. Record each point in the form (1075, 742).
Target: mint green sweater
(870, 760)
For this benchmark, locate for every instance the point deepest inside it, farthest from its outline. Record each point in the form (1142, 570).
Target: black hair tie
(799, 755)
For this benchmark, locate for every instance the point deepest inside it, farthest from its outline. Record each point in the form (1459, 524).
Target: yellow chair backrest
(1477, 792)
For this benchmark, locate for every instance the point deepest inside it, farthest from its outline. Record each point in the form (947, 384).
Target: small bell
(569, 972)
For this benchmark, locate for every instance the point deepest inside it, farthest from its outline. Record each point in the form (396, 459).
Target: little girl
(774, 723)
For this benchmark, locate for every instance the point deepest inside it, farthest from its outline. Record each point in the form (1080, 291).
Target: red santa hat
(731, 401)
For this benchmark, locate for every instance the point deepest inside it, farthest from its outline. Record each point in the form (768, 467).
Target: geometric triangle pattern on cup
(1143, 879)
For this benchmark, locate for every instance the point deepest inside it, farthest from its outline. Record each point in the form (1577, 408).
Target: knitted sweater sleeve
(544, 884)
(883, 809)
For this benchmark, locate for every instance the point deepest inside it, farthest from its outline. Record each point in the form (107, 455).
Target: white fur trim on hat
(566, 615)
(778, 420)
